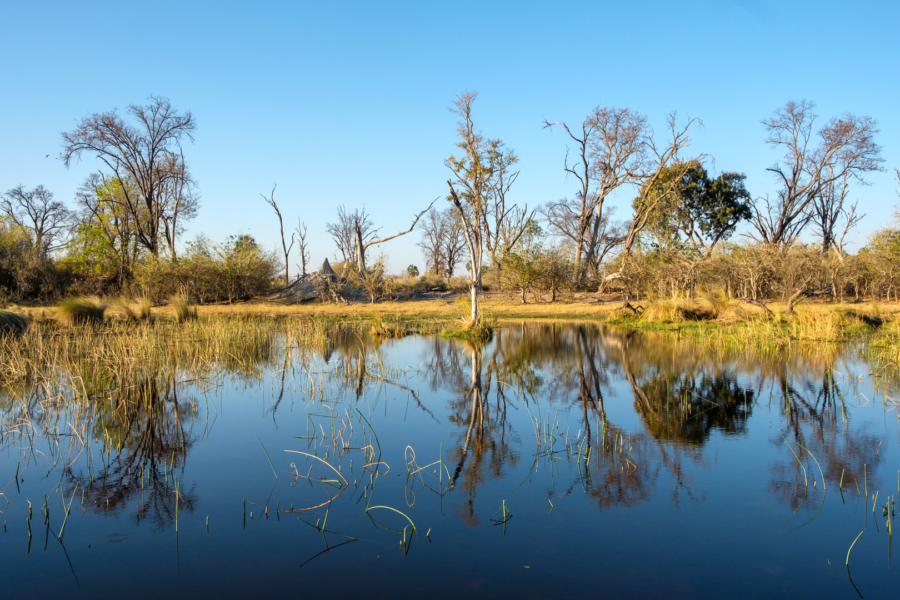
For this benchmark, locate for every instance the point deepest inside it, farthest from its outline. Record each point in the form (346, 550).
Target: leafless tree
(286, 248)
(362, 245)
(509, 223)
(140, 156)
(302, 246)
(831, 220)
(344, 231)
(844, 151)
(563, 221)
(36, 211)
(432, 235)
(474, 186)
(443, 241)
(655, 190)
(178, 199)
(611, 152)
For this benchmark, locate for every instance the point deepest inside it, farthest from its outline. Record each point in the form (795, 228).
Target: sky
(347, 102)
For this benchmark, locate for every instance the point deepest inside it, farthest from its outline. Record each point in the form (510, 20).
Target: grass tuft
(13, 323)
(88, 310)
(184, 311)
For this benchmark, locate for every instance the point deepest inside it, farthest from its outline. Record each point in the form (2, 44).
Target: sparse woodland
(688, 231)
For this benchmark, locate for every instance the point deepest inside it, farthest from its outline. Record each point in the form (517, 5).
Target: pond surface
(556, 459)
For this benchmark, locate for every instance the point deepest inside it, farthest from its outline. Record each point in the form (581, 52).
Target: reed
(13, 323)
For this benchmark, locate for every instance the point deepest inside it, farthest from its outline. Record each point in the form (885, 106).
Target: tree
(104, 244)
(36, 211)
(301, 246)
(698, 213)
(473, 187)
(831, 220)
(362, 245)
(344, 231)
(658, 183)
(412, 271)
(611, 152)
(443, 241)
(270, 200)
(147, 155)
(845, 150)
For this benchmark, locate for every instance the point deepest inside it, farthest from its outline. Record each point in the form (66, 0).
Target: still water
(553, 460)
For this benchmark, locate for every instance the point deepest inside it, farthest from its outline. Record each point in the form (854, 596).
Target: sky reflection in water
(555, 459)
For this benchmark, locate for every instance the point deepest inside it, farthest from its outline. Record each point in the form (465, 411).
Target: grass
(13, 323)
(182, 309)
(89, 310)
(133, 309)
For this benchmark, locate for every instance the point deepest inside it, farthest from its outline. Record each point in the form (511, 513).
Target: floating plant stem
(853, 544)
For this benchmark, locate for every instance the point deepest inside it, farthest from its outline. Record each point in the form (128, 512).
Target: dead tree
(302, 246)
(831, 219)
(611, 152)
(846, 150)
(361, 245)
(284, 245)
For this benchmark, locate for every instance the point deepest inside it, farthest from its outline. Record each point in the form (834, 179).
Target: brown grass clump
(132, 309)
(13, 323)
(89, 310)
(184, 311)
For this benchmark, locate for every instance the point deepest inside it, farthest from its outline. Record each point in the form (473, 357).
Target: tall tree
(286, 248)
(37, 212)
(610, 152)
(660, 181)
(843, 150)
(473, 188)
(146, 154)
(443, 241)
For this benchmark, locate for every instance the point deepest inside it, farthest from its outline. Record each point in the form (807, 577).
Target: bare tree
(443, 241)
(362, 245)
(432, 237)
(178, 199)
(473, 187)
(831, 220)
(845, 150)
(302, 246)
(36, 211)
(344, 232)
(611, 152)
(286, 248)
(655, 189)
(563, 221)
(138, 156)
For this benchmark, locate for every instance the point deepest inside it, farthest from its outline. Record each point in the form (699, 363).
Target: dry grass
(182, 309)
(82, 311)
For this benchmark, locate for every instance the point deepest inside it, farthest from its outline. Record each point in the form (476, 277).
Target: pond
(555, 459)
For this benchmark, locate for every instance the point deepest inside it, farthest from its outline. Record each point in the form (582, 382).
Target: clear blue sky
(346, 102)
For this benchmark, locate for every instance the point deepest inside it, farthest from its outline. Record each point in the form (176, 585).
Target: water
(629, 465)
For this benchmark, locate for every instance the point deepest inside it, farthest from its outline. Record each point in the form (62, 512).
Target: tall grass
(13, 323)
(182, 309)
(89, 310)
(134, 309)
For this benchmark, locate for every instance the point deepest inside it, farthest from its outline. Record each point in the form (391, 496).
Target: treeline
(679, 238)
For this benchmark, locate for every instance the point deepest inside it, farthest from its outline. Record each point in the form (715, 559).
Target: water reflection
(538, 399)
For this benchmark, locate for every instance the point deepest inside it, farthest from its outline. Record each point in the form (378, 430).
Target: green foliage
(412, 271)
(701, 211)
